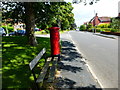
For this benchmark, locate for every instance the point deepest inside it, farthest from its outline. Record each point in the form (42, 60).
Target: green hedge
(104, 25)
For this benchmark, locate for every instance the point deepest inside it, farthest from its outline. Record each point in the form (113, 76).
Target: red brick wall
(96, 21)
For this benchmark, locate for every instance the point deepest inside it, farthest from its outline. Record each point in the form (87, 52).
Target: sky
(83, 13)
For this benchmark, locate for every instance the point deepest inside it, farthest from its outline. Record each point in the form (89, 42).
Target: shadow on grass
(16, 55)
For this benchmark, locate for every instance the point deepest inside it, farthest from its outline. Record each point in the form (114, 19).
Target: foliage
(45, 15)
(98, 29)
(15, 68)
(108, 30)
(90, 2)
(62, 14)
(115, 23)
(82, 28)
(73, 26)
(14, 11)
(104, 25)
(89, 26)
(8, 27)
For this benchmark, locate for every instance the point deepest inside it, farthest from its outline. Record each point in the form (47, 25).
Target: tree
(38, 13)
(21, 12)
(30, 23)
(89, 26)
(73, 26)
(85, 1)
(61, 13)
(116, 23)
(82, 28)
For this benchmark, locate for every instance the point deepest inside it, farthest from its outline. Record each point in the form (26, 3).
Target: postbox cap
(53, 28)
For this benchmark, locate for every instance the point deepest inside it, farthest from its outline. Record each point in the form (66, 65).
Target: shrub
(89, 26)
(4, 27)
(102, 30)
(82, 28)
(114, 30)
(104, 25)
(106, 29)
(47, 31)
(10, 29)
(98, 29)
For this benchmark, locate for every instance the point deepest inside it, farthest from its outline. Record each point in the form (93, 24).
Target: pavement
(74, 72)
(107, 36)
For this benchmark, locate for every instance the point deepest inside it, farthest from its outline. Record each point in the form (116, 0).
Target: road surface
(101, 54)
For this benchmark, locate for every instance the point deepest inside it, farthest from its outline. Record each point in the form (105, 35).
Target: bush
(4, 27)
(104, 25)
(82, 28)
(47, 31)
(10, 29)
(106, 29)
(114, 30)
(102, 30)
(98, 29)
(89, 26)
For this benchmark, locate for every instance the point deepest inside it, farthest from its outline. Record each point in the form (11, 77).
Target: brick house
(98, 20)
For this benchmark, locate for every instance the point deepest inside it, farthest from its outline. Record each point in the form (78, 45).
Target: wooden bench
(49, 68)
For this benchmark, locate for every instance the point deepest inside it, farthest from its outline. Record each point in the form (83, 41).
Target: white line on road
(83, 59)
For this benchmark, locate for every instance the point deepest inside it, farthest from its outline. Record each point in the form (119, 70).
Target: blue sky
(103, 8)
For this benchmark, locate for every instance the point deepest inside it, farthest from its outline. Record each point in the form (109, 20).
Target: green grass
(40, 32)
(16, 55)
(43, 32)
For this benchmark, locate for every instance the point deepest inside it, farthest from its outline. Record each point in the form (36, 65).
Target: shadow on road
(69, 58)
(68, 84)
(73, 69)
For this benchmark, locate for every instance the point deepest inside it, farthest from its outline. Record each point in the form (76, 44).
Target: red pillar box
(54, 40)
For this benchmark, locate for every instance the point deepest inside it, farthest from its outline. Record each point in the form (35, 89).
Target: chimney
(118, 14)
(96, 14)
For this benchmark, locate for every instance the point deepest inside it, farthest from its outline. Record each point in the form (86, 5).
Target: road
(101, 55)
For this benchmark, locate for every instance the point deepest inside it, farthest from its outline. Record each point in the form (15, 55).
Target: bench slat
(36, 59)
(52, 70)
(44, 71)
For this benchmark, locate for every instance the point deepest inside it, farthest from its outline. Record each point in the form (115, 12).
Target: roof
(104, 19)
(91, 19)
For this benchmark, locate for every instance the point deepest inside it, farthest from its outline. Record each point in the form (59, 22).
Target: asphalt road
(101, 54)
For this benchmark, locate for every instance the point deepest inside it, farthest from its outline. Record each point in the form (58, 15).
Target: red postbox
(54, 40)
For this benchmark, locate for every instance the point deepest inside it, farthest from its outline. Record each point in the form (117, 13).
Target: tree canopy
(39, 13)
(45, 15)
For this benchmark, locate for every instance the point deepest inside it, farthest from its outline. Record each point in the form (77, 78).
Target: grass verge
(43, 32)
(16, 55)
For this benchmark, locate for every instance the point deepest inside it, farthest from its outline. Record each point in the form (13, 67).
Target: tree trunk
(30, 23)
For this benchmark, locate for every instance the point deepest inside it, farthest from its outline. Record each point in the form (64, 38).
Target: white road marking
(83, 59)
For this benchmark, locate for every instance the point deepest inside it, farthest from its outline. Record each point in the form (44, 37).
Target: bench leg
(56, 56)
